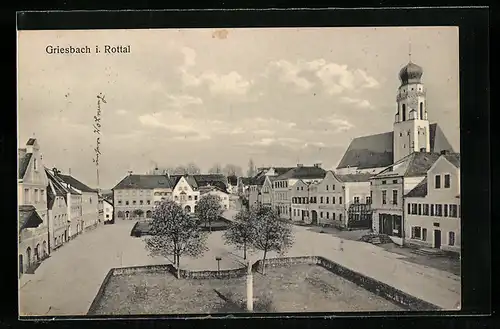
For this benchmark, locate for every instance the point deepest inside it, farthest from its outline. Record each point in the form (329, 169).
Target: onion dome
(411, 73)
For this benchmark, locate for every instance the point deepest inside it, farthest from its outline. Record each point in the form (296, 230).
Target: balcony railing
(360, 207)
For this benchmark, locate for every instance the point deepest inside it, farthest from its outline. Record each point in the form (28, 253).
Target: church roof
(454, 158)
(303, 173)
(354, 178)
(376, 151)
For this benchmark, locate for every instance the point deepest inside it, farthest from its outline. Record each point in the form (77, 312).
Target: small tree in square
(271, 233)
(209, 209)
(173, 232)
(241, 231)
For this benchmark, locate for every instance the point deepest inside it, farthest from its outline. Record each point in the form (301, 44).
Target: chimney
(69, 171)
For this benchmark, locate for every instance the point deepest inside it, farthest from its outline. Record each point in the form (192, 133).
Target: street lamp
(218, 259)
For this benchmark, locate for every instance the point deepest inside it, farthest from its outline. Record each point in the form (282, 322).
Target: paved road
(67, 282)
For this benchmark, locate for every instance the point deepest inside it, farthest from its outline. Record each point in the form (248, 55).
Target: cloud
(339, 125)
(231, 83)
(121, 112)
(180, 101)
(282, 141)
(361, 103)
(334, 78)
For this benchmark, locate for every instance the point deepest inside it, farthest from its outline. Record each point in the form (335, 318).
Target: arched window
(404, 112)
(120, 214)
(421, 110)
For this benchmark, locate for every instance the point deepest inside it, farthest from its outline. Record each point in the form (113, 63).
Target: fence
(374, 286)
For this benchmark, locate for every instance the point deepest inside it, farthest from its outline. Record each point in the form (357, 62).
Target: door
(437, 239)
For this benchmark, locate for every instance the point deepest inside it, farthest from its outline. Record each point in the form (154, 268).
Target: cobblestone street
(67, 282)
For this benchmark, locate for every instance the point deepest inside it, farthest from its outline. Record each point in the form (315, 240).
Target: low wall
(374, 286)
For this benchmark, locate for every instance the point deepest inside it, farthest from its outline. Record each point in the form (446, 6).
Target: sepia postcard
(240, 170)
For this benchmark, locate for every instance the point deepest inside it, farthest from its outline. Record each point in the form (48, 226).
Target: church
(411, 132)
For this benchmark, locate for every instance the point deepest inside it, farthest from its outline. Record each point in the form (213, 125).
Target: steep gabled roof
(144, 182)
(75, 183)
(28, 217)
(413, 165)
(418, 191)
(354, 178)
(376, 151)
(59, 188)
(24, 161)
(453, 158)
(206, 189)
(282, 170)
(303, 173)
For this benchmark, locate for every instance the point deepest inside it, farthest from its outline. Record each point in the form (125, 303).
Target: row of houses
(53, 208)
(404, 183)
(136, 195)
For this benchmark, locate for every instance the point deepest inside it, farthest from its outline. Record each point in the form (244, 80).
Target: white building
(59, 216)
(213, 190)
(33, 216)
(108, 210)
(432, 216)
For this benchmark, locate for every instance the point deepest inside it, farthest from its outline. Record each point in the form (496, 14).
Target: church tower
(411, 127)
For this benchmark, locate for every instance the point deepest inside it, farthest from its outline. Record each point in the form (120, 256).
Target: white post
(249, 288)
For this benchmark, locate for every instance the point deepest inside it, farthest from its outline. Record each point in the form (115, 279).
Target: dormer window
(35, 166)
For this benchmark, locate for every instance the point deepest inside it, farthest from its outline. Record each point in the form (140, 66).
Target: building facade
(432, 208)
(300, 201)
(33, 238)
(212, 190)
(108, 210)
(388, 189)
(57, 204)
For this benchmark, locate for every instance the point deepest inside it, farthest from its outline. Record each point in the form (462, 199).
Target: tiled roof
(206, 189)
(418, 191)
(415, 164)
(282, 170)
(454, 158)
(143, 182)
(246, 180)
(376, 151)
(303, 173)
(75, 183)
(60, 190)
(23, 164)
(28, 217)
(353, 178)
(205, 179)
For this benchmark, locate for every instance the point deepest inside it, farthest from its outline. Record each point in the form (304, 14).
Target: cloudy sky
(278, 96)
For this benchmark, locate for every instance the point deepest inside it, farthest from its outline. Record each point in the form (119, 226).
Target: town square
(316, 180)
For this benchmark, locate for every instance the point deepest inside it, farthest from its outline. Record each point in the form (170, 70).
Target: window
(394, 196)
(384, 197)
(333, 216)
(119, 201)
(356, 199)
(321, 200)
(394, 181)
(439, 210)
(148, 202)
(416, 232)
(419, 209)
(327, 187)
(327, 200)
(451, 238)
(404, 112)
(409, 208)
(426, 210)
(447, 181)
(27, 195)
(90, 199)
(421, 110)
(432, 210)
(333, 187)
(340, 217)
(383, 182)
(424, 234)
(327, 215)
(297, 188)
(42, 195)
(36, 195)
(333, 200)
(437, 181)
(414, 209)
(453, 210)
(134, 202)
(321, 214)
(141, 202)
(445, 210)
(195, 197)
(126, 203)
(340, 200)
(190, 198)
(35, 166)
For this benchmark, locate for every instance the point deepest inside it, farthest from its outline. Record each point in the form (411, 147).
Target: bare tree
(180, 170)
(174, 233)
(241, 232)
(251, 168)
(271, 233)
(209, 209)
(193, 169)
(232, 170)
(216, 169)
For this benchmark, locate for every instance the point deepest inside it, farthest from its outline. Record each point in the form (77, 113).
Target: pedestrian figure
(341, 245)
